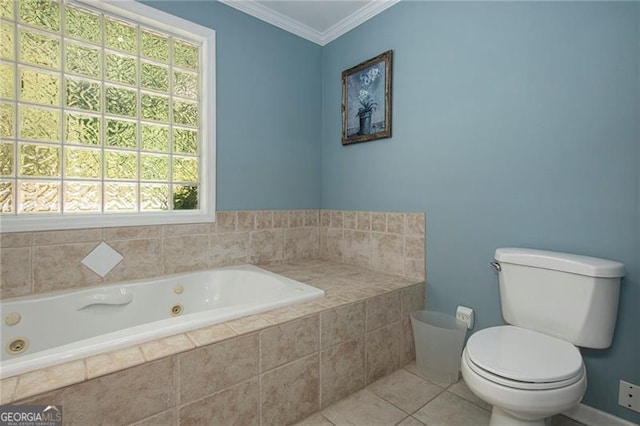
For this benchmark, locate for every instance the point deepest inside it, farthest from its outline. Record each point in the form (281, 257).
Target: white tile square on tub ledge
(102, 259)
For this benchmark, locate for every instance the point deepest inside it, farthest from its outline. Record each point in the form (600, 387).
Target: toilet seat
(523, 359)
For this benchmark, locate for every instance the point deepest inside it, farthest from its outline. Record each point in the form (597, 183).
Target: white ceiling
(320, 21)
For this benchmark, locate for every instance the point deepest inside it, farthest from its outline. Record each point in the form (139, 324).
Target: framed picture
(366, 100)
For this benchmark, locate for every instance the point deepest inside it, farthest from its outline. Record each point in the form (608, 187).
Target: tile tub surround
(276, 368)
(40, 262)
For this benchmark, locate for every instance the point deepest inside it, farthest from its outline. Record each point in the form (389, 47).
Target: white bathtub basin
(67, 325)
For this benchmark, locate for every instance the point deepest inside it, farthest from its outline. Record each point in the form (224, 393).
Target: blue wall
(269, 109)
(514, 124)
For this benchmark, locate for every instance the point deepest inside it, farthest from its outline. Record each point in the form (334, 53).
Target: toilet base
(502, 418)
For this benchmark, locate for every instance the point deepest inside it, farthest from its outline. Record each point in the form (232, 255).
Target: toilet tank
(574, 298)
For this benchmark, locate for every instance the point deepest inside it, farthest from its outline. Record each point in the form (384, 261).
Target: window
(107, 114)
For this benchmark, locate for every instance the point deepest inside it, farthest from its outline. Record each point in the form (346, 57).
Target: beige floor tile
(561, 420)
(448, 409)
(462, 390)
(363, 408)
(411, 368)
(405, 390)
(315, 420)
(411, 421)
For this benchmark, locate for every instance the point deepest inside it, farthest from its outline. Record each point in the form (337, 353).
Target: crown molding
(358, 17)
(257, 10)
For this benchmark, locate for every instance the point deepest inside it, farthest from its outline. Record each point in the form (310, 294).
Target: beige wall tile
(395, 223)
(237, 405)
(58, 267)
(7, 387)
(246, 220)
(142, 259)
(44, 380)
(311, 217)
(331, 244)
(387, 253)
(379, 222)
(383, 310)
(383, 348)
(165, 418)
(281, 315)
(415, 268)
(414, 224)
(357, 248)
(15, 239)
(229, 248)
(186, 253)
(248, 324)
(281, 218)
(47, 398)
(296, 218)
(301, 243)
(325, 217)
(185, 229)
(264, 219)
(43, 238)
(349, 220)
(363, 221)
(15, 272)
(122, 397)
(342, 324)
(336, 219)
(309, 308)
(408, 352)
(132, 232)
(412, 299)
(226, 221)
(414, 247)
(102, 364)
(291, 392)
(288, 342)
(341, 370)
(211, 334)
(212, 368)
(161, 348)
(266, 246)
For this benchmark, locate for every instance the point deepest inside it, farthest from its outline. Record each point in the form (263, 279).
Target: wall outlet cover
(629, 396)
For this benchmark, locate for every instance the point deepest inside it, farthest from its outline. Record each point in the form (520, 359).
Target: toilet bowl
(527, 376)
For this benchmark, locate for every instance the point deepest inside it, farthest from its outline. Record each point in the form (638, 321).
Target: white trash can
(439, 339)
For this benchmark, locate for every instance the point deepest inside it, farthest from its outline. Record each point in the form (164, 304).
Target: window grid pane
(82, 81)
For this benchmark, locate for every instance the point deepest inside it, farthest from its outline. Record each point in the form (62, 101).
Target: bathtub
(48, 329)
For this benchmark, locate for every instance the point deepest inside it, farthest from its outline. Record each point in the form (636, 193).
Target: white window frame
(154, 18)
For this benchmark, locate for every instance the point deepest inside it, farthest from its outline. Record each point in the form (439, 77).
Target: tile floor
(404, 398)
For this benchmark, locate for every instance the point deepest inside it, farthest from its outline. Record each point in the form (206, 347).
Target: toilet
(554, 303)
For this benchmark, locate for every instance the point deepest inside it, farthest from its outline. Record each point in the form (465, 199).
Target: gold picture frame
(366, 100)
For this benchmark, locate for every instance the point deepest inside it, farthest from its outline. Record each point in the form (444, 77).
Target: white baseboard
(593, 417)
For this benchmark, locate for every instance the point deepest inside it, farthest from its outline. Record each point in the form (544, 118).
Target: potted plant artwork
(366, 100)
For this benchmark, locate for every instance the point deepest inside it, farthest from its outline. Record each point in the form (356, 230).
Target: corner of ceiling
(257, 10)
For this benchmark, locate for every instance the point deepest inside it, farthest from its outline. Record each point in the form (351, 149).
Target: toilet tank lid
(566, 262)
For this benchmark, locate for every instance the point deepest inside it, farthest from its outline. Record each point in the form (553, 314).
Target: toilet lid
(524, 355)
